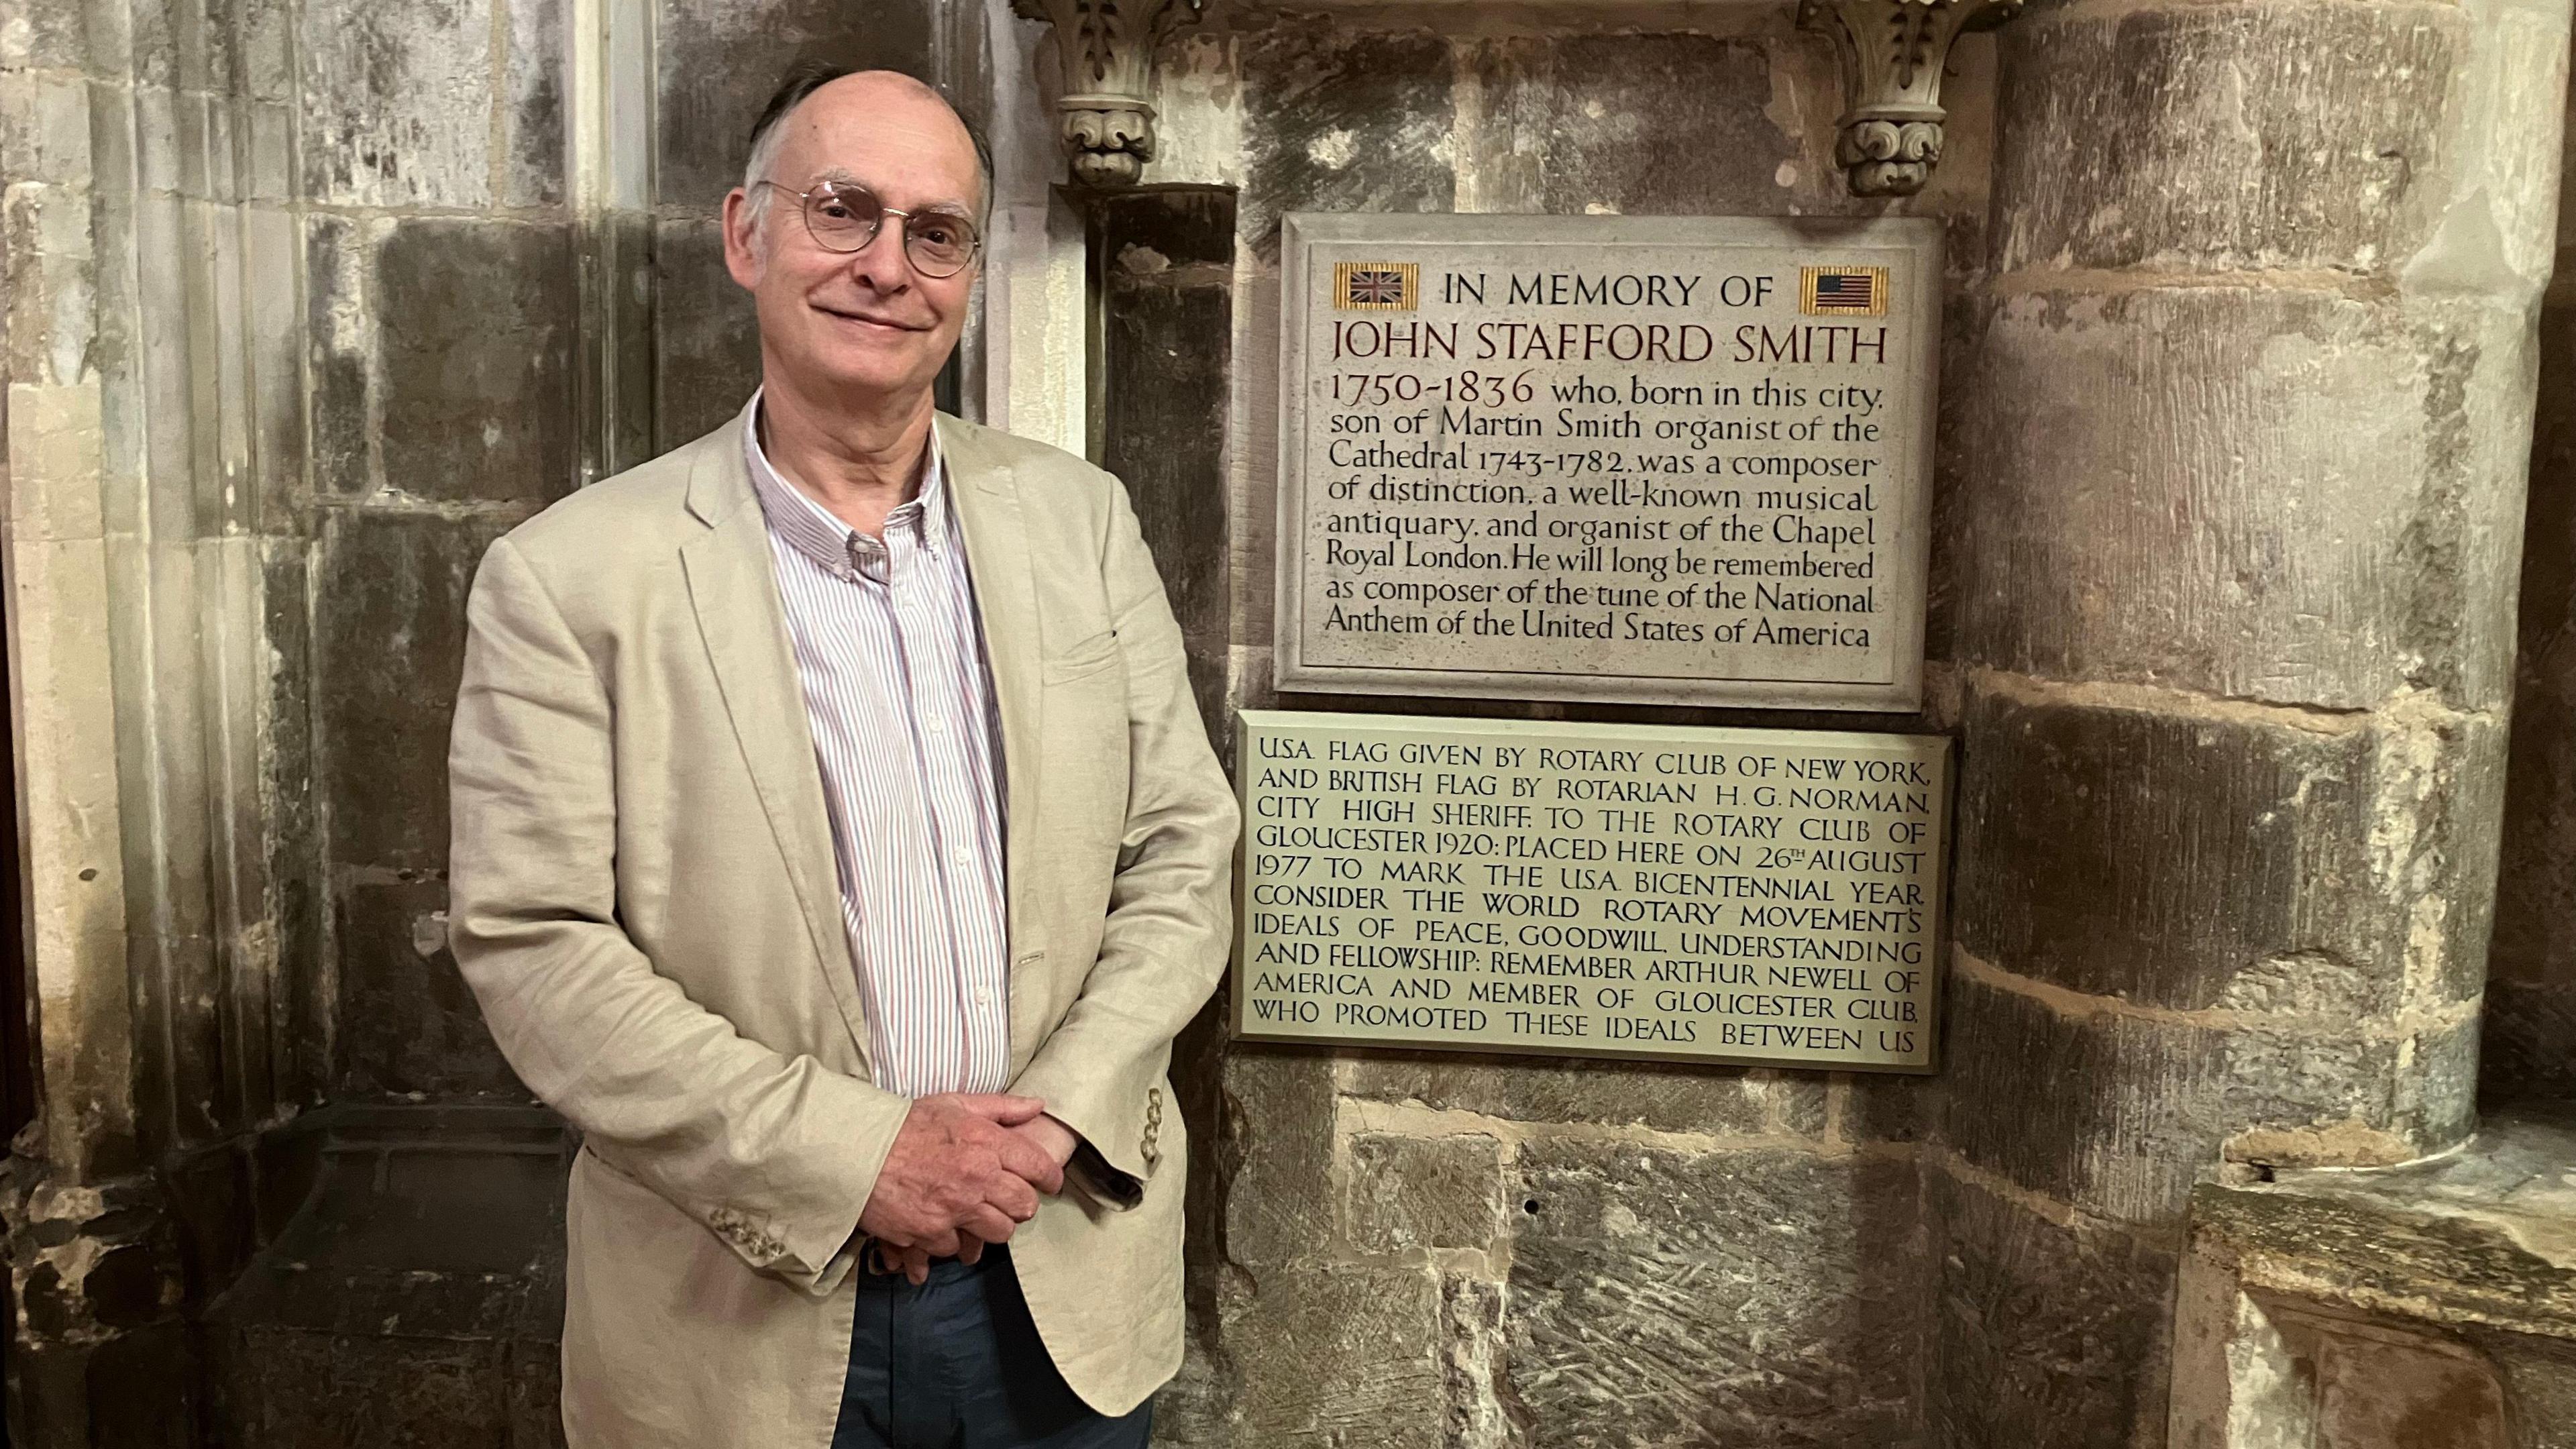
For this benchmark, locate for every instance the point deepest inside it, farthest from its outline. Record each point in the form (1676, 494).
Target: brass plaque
(1753, 896)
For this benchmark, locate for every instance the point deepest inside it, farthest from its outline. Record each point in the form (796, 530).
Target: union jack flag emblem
(1842, 291)
(1375, 286)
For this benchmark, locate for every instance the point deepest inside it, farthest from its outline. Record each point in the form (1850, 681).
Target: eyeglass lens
(845, 218)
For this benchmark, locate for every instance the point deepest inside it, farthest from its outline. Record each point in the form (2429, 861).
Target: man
(838, 847)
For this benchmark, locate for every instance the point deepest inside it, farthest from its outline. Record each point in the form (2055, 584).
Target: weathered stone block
(45, 129)
(475, 324)
(2300, 498)
(1339, 1356)
(1151, 235)
(720, 62)
(1423, 1192)
(1164, 430)
(2286, 865)
(1340, 119)
(1277, 1151)
(1801, 1101)
(2048, 1335)
(2118, 1114)
(1721, 1101)
(707, 343)
(397, 100)
(1759, 1297)
(1196, 1409)
(36, 36)
(299, 891)
(1482, 1408)
(184, 45)
(1167, 340)
(52, 297)
(1668, 124)
(1888, 1107)
(533, 95)
(2235, 137)
(340, 376)
(407, 1021)
(390, 638)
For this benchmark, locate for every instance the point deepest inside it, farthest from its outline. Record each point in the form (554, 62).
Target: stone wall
(2235, 400)
(309, 300)
(1415, 1249)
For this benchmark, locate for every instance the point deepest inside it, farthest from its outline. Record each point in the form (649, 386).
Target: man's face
(864, 322)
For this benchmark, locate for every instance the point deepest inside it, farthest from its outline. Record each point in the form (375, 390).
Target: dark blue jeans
(956, 1364)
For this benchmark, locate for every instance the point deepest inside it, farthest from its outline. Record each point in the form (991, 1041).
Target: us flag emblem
(1376, 286)
(1842, 291)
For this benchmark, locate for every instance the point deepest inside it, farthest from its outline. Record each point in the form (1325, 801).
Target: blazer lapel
(986, 495)
(733, 587)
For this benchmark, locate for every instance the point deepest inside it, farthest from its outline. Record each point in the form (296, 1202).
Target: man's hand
(1050, 1136)
(958, 1173)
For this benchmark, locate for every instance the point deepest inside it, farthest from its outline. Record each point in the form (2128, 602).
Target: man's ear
(741, 243)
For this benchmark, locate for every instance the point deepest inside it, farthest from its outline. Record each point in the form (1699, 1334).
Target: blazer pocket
(1089, 656)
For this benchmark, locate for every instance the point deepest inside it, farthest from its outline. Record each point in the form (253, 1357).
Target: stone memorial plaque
(1652, 459)
(1758, 896)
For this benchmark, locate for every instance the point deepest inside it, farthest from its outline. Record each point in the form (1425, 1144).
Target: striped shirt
(891, 656)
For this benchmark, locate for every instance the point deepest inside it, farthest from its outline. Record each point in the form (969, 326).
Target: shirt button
(983, 996)
(962, 856)
(937, 726)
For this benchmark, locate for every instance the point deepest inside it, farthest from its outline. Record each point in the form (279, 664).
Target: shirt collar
(810, 528)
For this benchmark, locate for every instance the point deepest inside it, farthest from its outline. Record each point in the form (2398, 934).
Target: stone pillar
(2235, 521)
(157, 568)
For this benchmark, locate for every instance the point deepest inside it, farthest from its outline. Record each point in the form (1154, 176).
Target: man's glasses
(844, 217)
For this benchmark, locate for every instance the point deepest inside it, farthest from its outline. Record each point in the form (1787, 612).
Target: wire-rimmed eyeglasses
(844, 216)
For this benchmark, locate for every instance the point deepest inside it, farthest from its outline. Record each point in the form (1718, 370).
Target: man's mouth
(864, 319)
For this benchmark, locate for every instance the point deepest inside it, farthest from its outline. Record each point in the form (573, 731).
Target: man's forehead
(878, 131)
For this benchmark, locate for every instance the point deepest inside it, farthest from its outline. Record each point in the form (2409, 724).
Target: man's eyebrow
(842, 175)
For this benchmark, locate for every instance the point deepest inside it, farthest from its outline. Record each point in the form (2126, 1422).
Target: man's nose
(881, 265)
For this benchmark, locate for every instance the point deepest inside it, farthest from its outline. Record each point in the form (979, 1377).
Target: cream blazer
(643, 897)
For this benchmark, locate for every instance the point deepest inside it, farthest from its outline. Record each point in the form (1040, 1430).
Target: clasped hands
(966, 1168)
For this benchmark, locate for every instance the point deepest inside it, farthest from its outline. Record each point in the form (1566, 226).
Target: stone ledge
(2485, 1235)
(2427, 1306)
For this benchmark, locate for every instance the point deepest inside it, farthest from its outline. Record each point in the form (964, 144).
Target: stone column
(2236, 526)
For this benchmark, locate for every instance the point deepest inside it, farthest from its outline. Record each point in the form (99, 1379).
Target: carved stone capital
(1893, 52)
(1105, 70)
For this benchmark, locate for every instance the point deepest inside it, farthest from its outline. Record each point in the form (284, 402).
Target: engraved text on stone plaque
(1585, 889)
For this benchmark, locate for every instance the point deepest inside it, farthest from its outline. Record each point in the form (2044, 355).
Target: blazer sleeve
(774, 1154)
(1171, 920)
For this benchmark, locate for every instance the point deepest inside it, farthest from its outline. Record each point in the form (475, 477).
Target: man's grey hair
(801, 81)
